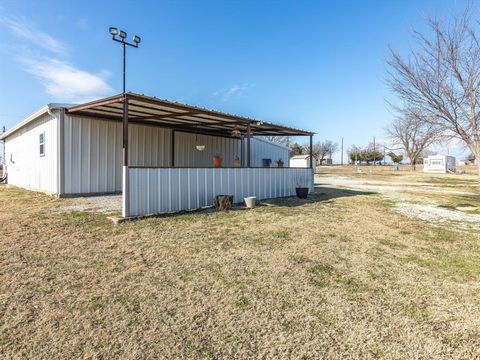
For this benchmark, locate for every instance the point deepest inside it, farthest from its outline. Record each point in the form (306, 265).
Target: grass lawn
(340, 275)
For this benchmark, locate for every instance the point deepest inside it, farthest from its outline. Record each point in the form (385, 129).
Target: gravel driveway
(108, 204)
(403, 195)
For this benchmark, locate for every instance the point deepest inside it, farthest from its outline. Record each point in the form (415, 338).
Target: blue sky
(316, 65)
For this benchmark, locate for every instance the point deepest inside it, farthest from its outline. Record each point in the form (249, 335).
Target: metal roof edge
(42, 111)
(52, 106)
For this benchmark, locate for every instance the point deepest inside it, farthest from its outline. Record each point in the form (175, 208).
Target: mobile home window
(42, 143)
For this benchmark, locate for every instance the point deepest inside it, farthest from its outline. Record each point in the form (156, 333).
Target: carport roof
(154, 111)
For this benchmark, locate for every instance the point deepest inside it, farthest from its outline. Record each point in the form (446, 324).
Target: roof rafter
(151, 110)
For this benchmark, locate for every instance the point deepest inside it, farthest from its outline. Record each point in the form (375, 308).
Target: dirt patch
(109, 204)
(439, 215)
(413, 199)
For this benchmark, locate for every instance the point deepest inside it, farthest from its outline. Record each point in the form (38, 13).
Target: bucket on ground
(250, 201)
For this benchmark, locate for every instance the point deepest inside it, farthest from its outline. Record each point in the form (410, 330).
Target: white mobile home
(159, 156)
(439, 164)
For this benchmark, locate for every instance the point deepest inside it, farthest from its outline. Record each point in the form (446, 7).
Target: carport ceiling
(153, 111)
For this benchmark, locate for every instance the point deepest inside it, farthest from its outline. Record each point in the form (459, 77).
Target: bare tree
(324, 149)
(442, 78)
(321, 150)
(413, 133)
(282, 140)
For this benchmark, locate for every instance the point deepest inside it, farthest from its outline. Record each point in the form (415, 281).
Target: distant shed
(301, 161)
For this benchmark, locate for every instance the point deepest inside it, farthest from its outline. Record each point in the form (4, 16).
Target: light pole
(122, 35)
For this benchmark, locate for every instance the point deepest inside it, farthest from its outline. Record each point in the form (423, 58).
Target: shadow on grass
(321, 194)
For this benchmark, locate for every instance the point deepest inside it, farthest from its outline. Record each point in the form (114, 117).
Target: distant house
(439, 164)
(302, 161)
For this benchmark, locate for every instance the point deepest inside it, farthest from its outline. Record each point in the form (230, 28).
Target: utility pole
(374, 157)
(384, 154)
(342, 153)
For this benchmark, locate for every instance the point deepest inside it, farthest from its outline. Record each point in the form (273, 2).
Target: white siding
(25, 167)
(148, 146)
(154, 190)
(262, 149)
(93, 153)
(301, 162)
(187, 155)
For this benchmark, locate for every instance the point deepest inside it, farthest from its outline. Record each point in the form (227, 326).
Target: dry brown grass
(386, 172)
(337, 276)
(468, 170)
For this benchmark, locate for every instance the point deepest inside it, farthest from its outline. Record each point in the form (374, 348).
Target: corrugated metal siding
(93, 153)
(26, 168)
(187, 155)
(155, 190)
(261, 149)
(148, 146)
